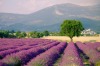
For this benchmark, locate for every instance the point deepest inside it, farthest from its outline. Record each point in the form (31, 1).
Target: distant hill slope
(50, 18)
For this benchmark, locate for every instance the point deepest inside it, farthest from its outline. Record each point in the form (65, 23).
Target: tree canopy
(71, 28)
(46, 33)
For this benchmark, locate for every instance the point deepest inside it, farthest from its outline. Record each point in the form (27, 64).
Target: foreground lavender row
(24, 56)
(48, 57)
(71, 56)
(94, 56)
(44, 52)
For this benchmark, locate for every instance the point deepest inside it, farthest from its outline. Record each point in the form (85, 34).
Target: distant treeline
(32, 34)
(21, 34)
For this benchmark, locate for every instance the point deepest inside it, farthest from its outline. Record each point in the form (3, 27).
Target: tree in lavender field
(71, 28)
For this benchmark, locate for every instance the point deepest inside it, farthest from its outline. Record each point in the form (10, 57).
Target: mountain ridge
(52, 16)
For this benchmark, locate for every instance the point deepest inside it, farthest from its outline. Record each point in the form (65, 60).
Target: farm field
(81, 38)
(46, 52)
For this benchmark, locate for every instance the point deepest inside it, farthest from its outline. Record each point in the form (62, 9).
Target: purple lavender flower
(71, 56)
(24, 56)
(47, 58)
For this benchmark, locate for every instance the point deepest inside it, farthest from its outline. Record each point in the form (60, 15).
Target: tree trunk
(71, 39)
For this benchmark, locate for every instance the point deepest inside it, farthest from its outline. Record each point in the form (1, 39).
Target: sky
(30, 6)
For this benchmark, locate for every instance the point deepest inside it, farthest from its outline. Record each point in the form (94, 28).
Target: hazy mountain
(50, 18)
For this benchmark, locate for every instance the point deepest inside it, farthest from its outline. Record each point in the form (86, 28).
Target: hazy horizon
(31, 6)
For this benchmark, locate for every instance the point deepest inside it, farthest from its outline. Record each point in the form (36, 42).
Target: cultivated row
(48, 58)
(71, 56)
(93, 55)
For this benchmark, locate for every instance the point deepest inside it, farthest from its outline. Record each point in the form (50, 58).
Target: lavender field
(46, 52)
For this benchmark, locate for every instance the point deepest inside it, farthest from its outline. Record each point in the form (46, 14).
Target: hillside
(50, 18)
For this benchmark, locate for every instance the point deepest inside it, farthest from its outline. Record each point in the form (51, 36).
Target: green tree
(71, 28)
(4, 34)
(1, 34)
(23, 34)
(18, 34)
(46, 33)
(34, 34)
(40, 34)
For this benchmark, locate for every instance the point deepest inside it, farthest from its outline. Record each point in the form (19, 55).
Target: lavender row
(19, 42)
(6, 48)
(23, 57)
(9, 51)
(95, 46)
(47, 58)
(2, 64)
(6, 44)
(71, 56)
(93, 55)
(16, 42)
(25, 47)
